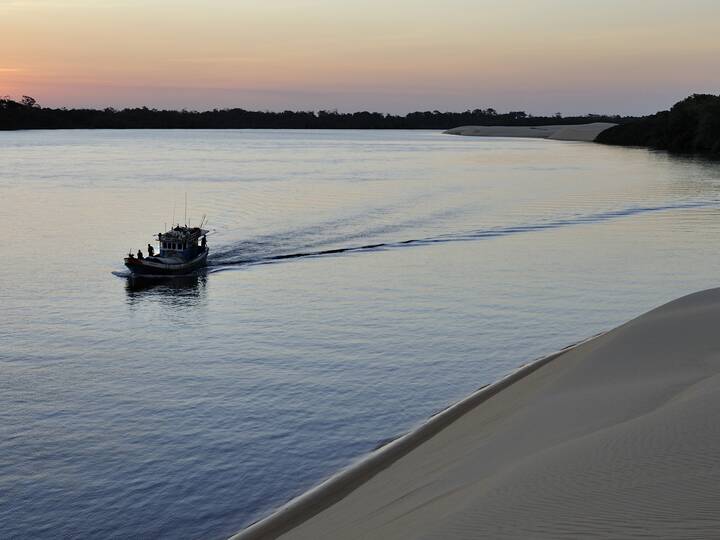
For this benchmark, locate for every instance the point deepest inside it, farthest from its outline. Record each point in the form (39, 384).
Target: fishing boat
(183, 251)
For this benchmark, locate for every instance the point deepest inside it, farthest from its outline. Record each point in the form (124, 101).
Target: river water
(359, 281)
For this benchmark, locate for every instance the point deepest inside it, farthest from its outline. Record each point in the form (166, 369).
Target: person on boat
(130, 255)
(140, 255)
(151, 251)
(203, 242)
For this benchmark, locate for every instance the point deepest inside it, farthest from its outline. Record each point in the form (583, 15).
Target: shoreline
(333, 489)
(578, 447)
(559, 132)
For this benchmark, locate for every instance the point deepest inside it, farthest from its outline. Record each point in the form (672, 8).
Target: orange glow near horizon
(543, 56)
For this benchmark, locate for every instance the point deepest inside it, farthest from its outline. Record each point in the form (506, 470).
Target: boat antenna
(186, 208)
(173, 219)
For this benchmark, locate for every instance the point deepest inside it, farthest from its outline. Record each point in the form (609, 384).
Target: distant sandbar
(568, 132)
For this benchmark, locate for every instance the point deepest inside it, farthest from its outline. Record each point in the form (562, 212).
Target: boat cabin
(185, 242)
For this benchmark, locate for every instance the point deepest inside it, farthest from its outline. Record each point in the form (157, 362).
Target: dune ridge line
(616, 437)
(327, 493)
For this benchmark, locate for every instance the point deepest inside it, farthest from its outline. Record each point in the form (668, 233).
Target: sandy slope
(580, 132)
(616, 438)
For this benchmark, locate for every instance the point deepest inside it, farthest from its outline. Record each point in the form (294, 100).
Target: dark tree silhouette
(690, 126)
(27, 114)
(28, 101)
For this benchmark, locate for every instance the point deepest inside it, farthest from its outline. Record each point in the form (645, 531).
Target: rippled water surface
(359, 282)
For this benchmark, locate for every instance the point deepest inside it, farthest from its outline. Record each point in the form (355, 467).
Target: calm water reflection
(174, 292)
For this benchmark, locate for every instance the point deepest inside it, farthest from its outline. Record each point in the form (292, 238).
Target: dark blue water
(359, 282)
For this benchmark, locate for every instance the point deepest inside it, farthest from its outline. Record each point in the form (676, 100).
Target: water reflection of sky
(188, 408)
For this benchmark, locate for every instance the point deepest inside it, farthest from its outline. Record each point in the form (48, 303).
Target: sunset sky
(542, 56)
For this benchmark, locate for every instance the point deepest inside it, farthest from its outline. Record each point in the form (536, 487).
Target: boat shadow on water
(175, 291)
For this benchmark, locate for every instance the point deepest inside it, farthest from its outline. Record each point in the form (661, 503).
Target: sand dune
(579, 132)
(618, 437)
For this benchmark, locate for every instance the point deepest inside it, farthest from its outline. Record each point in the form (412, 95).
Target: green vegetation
(691, 126)
(27, 114)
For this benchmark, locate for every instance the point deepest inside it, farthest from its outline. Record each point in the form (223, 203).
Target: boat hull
(150, 267)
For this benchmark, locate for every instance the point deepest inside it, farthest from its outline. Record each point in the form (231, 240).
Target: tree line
(691, 126)
(28, 114)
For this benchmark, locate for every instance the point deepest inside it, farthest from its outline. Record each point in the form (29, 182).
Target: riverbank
(577, 132)
(691, 126)
(614, 437)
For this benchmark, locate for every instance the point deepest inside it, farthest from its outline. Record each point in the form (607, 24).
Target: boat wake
(269, 249)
